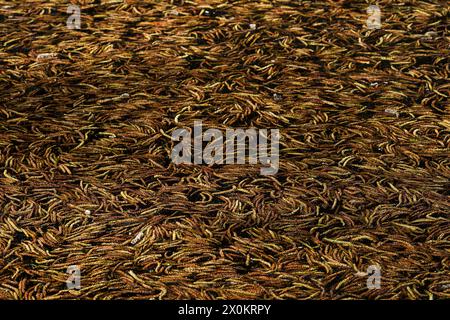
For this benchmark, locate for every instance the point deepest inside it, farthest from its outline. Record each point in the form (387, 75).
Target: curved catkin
(87, 113)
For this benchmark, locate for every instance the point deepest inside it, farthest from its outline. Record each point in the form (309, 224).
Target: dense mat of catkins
(86, 176)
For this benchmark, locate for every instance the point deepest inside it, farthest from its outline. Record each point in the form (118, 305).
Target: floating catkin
(86, 178)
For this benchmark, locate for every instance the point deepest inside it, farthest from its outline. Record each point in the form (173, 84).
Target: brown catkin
(86, 178)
